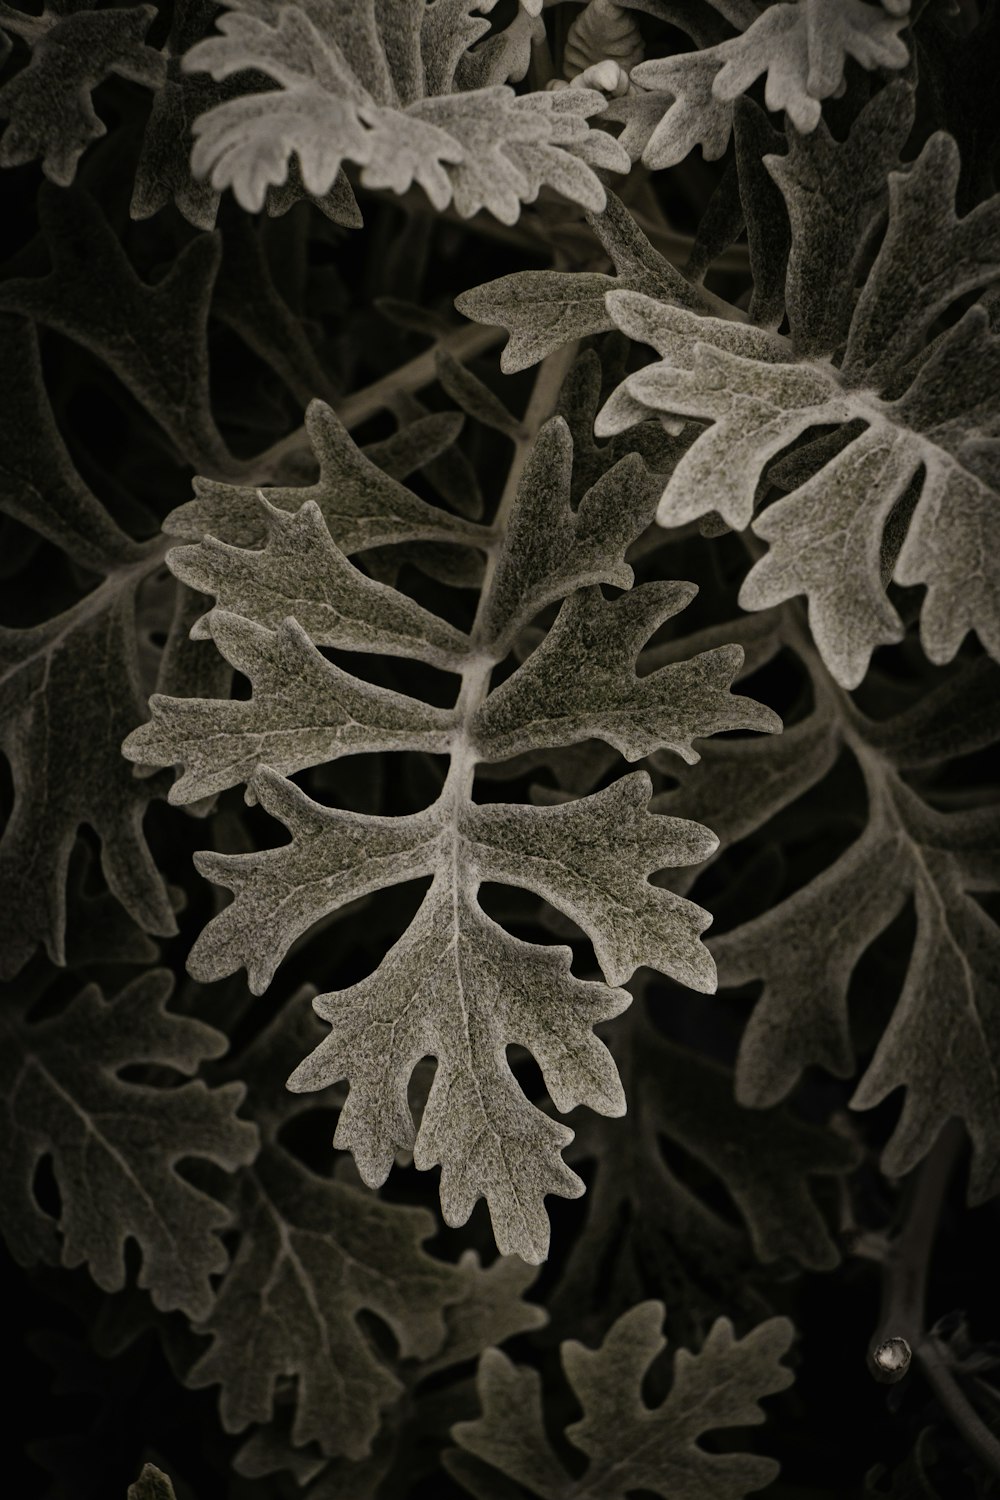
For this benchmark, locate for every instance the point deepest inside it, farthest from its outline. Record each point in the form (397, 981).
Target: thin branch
(531, 234)
(478, 671)
(904, 1289)
(464, 343)
(941, 1379)
(907, 1259)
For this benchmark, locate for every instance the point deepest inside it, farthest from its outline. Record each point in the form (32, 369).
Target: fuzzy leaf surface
(152, 337)
(48, 104)
(914, 425)
(542, 310)
(362, 505)
(939, 1044)
(304, 711)
(630, 1446)
(68, 770)
(456, 986)
(800, 48)
(666, 709)
(358, 90)
(313, 1254)
(114, 1145)
(302, 574)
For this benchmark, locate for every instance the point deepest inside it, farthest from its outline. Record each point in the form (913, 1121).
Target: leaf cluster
(402, 1096)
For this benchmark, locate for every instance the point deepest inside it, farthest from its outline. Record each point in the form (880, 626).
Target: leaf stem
(907, 1256)
(479, 668)
(904, 1289)
(530, 234)
(465, 343)
(545, 393)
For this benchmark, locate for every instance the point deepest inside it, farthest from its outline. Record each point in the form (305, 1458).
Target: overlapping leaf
(163, 173)
(487, 1307)
(48, 104)
(543, 310)
(152, 337)
(645, 1227)
(909, 488)
(802, 48)
(381, 89)
(456, 986)
(69, 689)
(115, 1144)
(314, 1253)
(362, 505)
(72, 685)
(940, 1043)
(630, 1445)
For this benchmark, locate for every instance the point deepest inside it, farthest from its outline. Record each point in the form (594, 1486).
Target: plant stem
(908, 1255)
(528, 233)
(465, 343)
(904, 1290)
(479, 668)
(545, 393)
(939, 1376)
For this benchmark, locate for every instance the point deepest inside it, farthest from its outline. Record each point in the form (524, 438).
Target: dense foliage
(411, 411)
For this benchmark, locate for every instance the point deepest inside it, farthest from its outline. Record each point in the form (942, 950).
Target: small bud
(890, 1360)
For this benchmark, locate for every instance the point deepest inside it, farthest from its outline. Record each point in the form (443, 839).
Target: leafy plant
(456, 986)
(325, 632)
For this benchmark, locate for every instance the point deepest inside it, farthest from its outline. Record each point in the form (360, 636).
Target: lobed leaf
(580, 683)
(314, 1255)
(800, 49)
(908, 491)
(68, 770)
(152, 337)
(115, 1145)
(630, 1445)
(938, 1044)
(48, 104)
(359, 92)
(362, 505)
(455, 986)
(543, 310)
(303, 711)
(301, 573)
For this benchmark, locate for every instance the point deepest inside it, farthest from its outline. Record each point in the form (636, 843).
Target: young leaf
(115, 1145)
(629, 1445)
